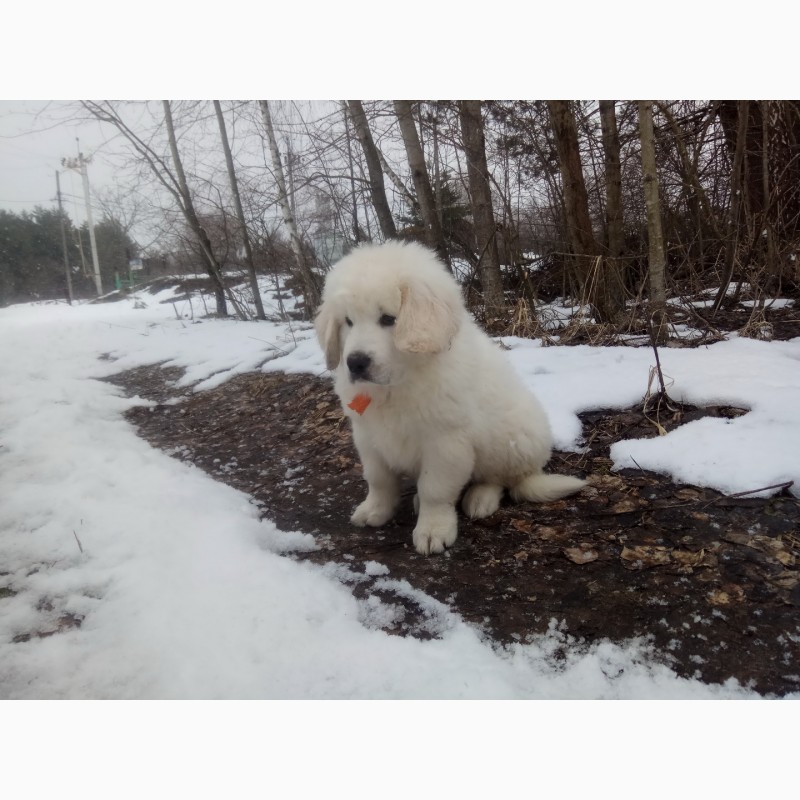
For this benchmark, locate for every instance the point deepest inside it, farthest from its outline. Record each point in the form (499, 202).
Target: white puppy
(429, 394)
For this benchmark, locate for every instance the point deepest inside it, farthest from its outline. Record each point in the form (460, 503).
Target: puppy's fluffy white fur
(446, 408)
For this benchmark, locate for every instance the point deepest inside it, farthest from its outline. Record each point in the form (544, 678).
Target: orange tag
(359, 403)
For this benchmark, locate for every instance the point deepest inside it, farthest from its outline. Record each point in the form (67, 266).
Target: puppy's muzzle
(359, 363)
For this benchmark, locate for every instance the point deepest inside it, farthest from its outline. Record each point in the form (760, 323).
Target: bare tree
(173, 179)
(251, 268)
(586, 251)
(482, 213)
(614, 283)
(188, 208)
(655, 235)
(310, 286)
(576, 199)
(737, 186)
(613, 177)
(376, 186)
(422, 181)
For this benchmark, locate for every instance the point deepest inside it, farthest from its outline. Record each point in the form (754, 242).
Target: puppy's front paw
(372, 514)
(434, 532)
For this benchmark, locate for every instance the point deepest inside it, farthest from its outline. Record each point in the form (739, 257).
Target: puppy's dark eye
(386, 320)
(349, 322)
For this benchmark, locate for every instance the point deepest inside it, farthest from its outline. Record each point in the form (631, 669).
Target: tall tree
(311, 288)
(377, 190)
(358, 233)
(592, 279)
(770, 184)
(614, 295)
(237, 202)
(737, 189)
(482, 213)
(115, 248)
(614, 220)
(422, 182)
(655, 235)
(576, 199)
(187, 205)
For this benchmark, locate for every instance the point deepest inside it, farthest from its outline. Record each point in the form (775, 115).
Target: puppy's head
(384, 305)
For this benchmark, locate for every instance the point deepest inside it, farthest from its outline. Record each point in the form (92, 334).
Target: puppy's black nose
(358, 364)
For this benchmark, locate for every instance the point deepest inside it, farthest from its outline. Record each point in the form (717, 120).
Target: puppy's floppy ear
(328, 328)
(429, 317)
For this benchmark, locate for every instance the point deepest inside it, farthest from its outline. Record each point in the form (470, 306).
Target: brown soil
(712, 581)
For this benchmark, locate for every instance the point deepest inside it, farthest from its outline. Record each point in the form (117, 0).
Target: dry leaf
(547, 533)
(719, 598)
(699, 558)
(522, 525)
(642, 556)
(773, 547)
(606, 482)
(727, 594)
(582, 554)
(786, 579)
(624, 506)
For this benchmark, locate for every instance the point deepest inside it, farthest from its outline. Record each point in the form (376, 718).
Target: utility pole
(64, 240)
(79, 164)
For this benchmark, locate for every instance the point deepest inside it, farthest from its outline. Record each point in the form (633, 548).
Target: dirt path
(712, 582)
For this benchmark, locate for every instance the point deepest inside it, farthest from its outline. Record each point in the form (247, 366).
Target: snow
(755, 450)
(185, 593)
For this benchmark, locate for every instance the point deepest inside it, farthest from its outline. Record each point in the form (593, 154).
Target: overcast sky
(34, 137)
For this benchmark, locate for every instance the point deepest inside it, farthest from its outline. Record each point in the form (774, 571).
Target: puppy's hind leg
(482, 500)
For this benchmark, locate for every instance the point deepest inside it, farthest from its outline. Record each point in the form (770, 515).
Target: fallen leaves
(773, 547)
(726, 594)
(698, 558)
(645, 556)
(584, 553)
(625, 506)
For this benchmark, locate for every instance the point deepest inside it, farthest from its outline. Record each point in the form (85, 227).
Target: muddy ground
(712, 581)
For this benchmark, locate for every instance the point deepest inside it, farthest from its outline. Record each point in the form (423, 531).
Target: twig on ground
(785, 485)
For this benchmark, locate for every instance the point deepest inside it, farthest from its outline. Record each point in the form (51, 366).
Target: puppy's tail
(542, 488)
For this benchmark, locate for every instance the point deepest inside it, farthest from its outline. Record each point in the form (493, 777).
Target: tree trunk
(737, 189)
(608, 125)
(576, 200)
(358, 235)
(655, 236)
(422, 181)
(214, 270)
(412, 201)
(615, 283)
(587, 261)
(482, 213)
(311, 289)
(377, 188)
(251, 267)
(771, 177)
